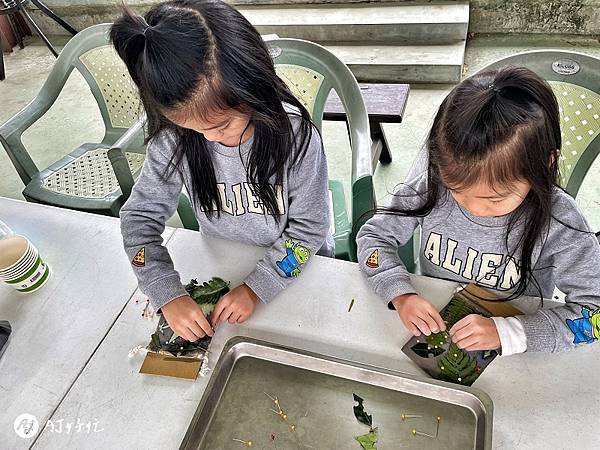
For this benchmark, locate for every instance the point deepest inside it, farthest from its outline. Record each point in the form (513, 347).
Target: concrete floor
(74, 118)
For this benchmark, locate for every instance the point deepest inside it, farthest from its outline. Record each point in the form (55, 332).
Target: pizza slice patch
(373, 260)
(139, 260)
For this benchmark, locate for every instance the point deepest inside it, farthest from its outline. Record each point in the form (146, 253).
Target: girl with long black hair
(492, 213)
(225, 127)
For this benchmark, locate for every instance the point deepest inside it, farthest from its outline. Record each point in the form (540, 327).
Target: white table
(57, 329)
(540, 401)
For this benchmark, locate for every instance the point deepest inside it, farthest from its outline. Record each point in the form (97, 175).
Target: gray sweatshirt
(302, 231)
(459, 246)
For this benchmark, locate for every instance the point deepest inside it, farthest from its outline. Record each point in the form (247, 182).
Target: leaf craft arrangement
(442, 359)
(206, 295)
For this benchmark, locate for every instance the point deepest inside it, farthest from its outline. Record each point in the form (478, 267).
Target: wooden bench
(385, 104)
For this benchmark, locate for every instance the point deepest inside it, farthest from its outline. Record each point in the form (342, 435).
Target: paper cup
(11, 251)
(29, 272)
(22, 264)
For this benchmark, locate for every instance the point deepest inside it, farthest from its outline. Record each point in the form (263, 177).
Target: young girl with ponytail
(491, 212)
(225, 127)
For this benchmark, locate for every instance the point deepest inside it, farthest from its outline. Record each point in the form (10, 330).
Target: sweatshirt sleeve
(574, 255)
(307, 227)
(380, 238)
(153, 201)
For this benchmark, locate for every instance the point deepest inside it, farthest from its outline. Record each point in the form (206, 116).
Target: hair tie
(145, 29)
(493, 87)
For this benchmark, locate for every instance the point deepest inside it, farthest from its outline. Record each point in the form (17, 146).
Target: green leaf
(208, 292)
(207, 308)
(439, 339)
(155, 342)
(424, 350)
(360, 414)
(368, 441)
(456, 310)
(458, 367)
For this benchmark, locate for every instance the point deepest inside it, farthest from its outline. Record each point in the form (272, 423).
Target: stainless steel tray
(316, 393)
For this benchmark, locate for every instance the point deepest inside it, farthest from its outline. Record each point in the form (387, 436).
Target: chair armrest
(118, 159)
(11, 130)
(121, 168)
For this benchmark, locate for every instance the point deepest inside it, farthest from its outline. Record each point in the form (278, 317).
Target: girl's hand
(186, 318)
(475, 332)
(418, 315)
(236, 306)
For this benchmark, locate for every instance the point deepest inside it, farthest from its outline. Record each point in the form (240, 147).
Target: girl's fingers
(242, 318)
(218, 312)
(435, 315)
(439, 321)
(431, 324)
(476, 348)
(467, 342)
(422, 326)
(204, 325)
(188, 334)
(465, 321)
(461, 334)
(197, 331)
(225, 315)
(412, 328)
(234, 317)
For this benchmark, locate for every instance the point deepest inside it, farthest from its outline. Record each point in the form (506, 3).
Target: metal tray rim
(241, 346)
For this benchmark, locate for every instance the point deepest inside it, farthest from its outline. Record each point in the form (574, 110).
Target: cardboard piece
(171, 366)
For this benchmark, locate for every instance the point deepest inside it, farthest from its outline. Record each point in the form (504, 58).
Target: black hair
(498, 127)
(195, 57)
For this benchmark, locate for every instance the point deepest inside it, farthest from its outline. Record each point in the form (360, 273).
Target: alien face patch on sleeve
(296, 256)
(587, 327)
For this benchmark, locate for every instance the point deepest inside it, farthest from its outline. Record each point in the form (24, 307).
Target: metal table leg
(42, 7)
(2, 72)
(37, 30)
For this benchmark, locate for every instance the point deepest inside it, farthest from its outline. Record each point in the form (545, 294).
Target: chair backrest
(311, 72)
(575, 80)
(91, 53)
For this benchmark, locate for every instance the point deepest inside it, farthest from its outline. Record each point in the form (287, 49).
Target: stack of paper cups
(21, 265)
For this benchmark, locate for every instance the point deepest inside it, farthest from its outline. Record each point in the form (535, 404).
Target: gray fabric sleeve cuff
(264, 284)
(391, 287)
(540, 332)
(163, 290)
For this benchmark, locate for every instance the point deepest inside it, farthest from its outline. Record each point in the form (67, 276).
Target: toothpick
(437, 429)
(272, 398)
(246, 443)
(351, 305)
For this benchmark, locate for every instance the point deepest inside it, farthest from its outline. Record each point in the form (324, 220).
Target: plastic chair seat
(84, 179)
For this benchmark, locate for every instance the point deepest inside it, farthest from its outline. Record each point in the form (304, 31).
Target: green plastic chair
(83, 179)
(311, 72)
(575, 80)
